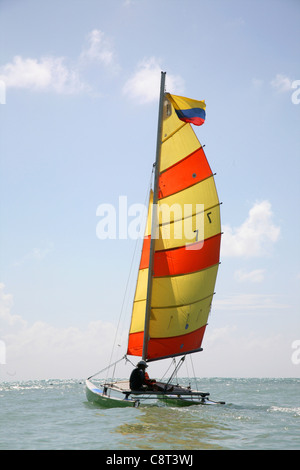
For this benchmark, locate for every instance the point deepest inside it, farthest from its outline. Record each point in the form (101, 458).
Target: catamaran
(179, 259)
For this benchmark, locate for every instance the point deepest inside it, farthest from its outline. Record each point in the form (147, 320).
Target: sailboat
(179, 259)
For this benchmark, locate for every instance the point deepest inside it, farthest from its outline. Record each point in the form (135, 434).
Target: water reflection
(173, 428)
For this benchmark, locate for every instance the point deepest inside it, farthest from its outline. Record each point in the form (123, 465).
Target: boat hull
(118, 395)
(97, 396)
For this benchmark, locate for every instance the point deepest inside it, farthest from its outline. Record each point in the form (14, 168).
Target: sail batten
(184, 241)
(185, 305)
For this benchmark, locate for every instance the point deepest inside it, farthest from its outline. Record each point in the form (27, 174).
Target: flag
(188, 110)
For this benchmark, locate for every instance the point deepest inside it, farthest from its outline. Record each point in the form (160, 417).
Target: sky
(79, 86)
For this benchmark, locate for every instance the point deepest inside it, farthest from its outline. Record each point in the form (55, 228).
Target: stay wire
(129, 275)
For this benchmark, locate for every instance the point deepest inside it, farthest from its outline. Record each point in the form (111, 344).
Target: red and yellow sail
(186, 248)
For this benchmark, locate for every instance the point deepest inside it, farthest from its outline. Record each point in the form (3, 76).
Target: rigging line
(176, 369)
(187, 371)
(123, 302)
(172, 362)
(130, 272)
(146, 201)
(195, 380)
(105, 368)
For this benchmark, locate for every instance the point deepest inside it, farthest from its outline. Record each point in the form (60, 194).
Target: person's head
(142, 365)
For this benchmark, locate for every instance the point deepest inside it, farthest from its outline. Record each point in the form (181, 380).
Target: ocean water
(54, 414)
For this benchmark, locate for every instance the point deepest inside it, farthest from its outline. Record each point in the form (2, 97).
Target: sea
(258, 414)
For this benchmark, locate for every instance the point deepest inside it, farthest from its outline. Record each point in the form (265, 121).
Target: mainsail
(181, 247)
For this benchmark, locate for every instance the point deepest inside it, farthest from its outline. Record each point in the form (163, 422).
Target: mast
(154, 214)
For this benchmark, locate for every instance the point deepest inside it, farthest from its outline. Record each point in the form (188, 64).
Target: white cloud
(228, 351)
(40, 350)
(254, 237)
(45, 74)
(7, 319)
(57, 74)
(99, 49)
(282, 83)
(144, 85)
(257, 275)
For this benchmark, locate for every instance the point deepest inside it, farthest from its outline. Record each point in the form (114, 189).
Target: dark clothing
(137, 379)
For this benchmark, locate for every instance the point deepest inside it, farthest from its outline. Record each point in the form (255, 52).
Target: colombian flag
(188, 110)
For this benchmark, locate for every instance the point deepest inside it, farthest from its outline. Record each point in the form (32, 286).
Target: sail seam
(181, 335)
(177, 306)
(164, 139)
(187, 187)
(189, 245)
(185, 274)
(184, 158)
(183, 305)
(188, 216)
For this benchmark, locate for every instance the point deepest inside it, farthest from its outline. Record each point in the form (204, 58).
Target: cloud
(144, 85)
(57, 74)
(45, 74)
(254, 237)
(40, 350)
(7, 319)
(282, 83)
(99, 49)
(229, 351)
(37, 254)
(257, 275)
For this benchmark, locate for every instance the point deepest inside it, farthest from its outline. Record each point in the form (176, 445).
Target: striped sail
(186, 248)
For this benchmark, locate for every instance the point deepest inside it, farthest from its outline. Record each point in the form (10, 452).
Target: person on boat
(139, 378)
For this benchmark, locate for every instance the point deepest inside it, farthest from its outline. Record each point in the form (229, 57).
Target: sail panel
(184, 289)
(186, 202)
(187, 231)
(178, 321)
(158, 348)
(181, 144)
(144, 263)
(141, 286)
(138, 316)
(135, 343)
(185, 173)
(187, 259)
(183, 259)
